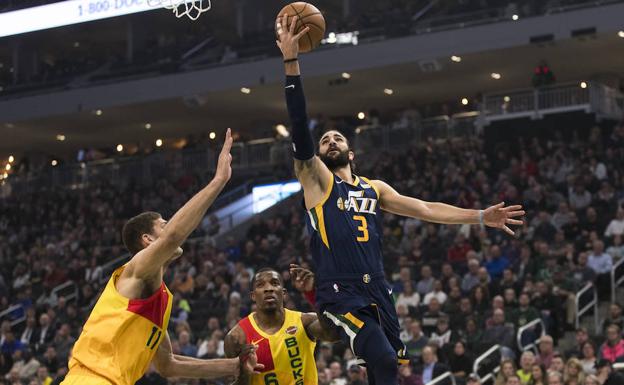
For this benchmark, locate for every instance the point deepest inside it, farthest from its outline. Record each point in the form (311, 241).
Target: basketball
(307, 16)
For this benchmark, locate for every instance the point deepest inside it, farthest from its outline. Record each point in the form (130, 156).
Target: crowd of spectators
(459, 289)
(163, 48)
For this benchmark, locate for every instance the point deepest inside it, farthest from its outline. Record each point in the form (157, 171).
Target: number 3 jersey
(121, 336)
(346, 236)
(287, 355)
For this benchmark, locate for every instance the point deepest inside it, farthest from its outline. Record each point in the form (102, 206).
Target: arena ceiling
(601, 57)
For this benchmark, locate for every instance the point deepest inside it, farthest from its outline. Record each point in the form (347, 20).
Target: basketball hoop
(191, 8)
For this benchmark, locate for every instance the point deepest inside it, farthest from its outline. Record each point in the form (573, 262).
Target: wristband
(310, 296)
(481, 217)
(290, 60)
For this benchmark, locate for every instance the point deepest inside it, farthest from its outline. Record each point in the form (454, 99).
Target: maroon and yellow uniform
(287, 355)
(120, 337)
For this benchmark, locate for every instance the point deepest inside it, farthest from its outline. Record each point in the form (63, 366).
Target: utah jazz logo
(357, 203)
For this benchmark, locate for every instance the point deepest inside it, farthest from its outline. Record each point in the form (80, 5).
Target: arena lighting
(621, 34)
(361, 115)
(464, 101)
(60, 137)
(98, 112)
(346, 75)
(5, 175)
(68, 13)
(495, 76)
(388, 91)
(212, 135)
(148, 126)
(515, 17)
(159, 142)
(246, 90)
(456, 59)
(7, 167)
(119, 147)
(54, 162)
(507, 99)
(11, 158)
(583, 85)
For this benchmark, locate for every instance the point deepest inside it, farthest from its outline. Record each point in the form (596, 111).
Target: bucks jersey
(287, 355)
(346, 235)
(121, 336)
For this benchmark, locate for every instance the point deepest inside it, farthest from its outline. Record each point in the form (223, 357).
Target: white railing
(616, 278)
(6, 314)
(530, 326)
(475, 367)
(444, 378)
(592, 304)
(68, 289)
(534, 103)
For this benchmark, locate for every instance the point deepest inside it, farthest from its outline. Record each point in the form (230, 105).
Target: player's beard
(335, 163)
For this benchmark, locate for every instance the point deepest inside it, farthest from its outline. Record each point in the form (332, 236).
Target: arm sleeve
(303, 144)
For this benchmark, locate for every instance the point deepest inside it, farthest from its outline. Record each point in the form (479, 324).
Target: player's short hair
(134, 229)
(265, 270)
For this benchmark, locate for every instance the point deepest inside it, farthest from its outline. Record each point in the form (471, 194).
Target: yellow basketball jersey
(121, 336)
(287, 355)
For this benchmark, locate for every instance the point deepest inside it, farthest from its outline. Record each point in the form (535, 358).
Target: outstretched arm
(169, 365)
(150, 260)
(494, 216)
(310, 170)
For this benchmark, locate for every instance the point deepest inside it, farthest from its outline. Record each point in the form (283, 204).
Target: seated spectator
(581, 336)
(43, 376)
(356, 375)
(442, 336)
(498, 332)
(471, 278)
(555, 378)
(431, 367)
(601, 263)
(456, 254)
(573, 373)
(480, 299)
(615, 317)
(557, 364)
(496, 262)
(507, 370)
(418, 341)
(613, 348)
(606, 375)
(407, 376)
(589, 357)
(616, 226)
(460, 362)
(527, 360)
(538, 375)
(525, 313)
(459, 319)
(425, 284)
(408, 298)
(430, 317)
(546, 351)
(437, 293)
(616, 250)
(337, 376)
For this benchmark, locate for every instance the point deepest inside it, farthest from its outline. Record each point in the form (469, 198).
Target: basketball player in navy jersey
(346, 235)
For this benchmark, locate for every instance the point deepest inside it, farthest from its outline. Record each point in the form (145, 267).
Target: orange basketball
(307, 16)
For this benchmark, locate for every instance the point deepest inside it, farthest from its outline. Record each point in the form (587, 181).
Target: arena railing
(68, 289)
(588, 292)
(443, 379)
(617, 278)
(486, 356)
(18, 310)
(530, 327)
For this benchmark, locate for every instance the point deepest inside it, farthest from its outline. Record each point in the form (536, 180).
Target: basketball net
(190, 8)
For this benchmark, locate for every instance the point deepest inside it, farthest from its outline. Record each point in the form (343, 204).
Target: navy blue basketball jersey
(346, 233)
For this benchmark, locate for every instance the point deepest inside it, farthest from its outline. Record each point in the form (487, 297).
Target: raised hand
(224, 165)
(303, 279)
(288, 40)
(249, 360)
(500, 216)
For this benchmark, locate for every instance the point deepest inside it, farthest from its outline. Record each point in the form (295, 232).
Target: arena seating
(454, 285)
